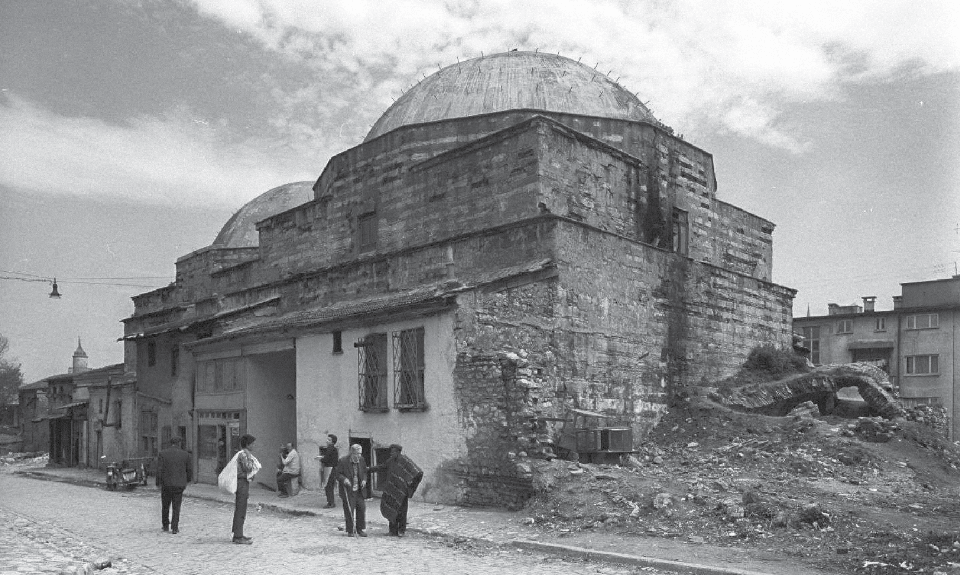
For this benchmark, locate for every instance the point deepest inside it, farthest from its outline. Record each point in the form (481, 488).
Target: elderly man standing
(351, 474)
(174, 471)
(290, 471)
(403, 478)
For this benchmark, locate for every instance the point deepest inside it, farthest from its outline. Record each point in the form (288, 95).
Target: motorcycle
(125, 475)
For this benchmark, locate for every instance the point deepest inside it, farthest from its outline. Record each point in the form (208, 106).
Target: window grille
(372, 369)
(408, 369)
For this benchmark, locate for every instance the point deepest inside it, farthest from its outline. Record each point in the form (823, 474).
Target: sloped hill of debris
(861, 495)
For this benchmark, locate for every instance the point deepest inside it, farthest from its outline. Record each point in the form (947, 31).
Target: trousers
(328, 482)
(171, 496)
(354, 506)
(240, 506)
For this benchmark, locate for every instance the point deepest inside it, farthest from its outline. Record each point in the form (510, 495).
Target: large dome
(240, 231)
(511, 81)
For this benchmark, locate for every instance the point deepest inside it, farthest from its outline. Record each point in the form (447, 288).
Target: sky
(131, 130)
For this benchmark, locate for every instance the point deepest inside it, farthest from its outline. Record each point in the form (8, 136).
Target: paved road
(46, 527)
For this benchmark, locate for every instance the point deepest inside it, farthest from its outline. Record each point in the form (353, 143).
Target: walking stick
(346, 499)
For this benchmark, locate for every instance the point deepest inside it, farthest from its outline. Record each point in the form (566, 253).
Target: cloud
(165, 160)
(697, 62)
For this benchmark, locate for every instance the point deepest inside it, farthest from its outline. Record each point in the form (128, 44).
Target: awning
(53, 416)
(69, 405)
(871, 344)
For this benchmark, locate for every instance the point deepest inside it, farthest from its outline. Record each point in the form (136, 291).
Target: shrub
(774, 361)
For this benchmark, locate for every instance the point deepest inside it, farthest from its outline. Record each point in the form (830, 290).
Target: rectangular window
(174, 360)
(221, 375)
(367, 232)
(923, 321)
(338, 342)
(372, 367)
(923, 364)
(408, 367)
(100, 406)
(151, 353)
(881, 324)
(811, 337)
(680, 232)
(845, 326)
(148, 432)
(118, 414)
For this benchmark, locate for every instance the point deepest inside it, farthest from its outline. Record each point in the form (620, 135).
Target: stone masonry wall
(689, 321)
(486, 184)
(505, 378)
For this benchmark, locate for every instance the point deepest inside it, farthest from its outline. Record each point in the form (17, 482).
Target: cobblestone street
(51, 527)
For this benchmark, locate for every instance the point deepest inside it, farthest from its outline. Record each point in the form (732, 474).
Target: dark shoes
(283, 495)
(243, 541)
(361, 533)
(166, 528)
(329, 506)
(350, 534)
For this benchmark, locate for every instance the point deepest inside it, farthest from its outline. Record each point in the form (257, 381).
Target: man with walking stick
(351, 474)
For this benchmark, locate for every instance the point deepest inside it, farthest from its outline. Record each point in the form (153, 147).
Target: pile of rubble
(826, 490)
(32, 458)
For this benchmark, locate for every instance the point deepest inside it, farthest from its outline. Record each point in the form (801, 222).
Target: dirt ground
(862, 495)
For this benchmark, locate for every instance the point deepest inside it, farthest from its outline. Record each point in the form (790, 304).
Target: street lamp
(55, 294)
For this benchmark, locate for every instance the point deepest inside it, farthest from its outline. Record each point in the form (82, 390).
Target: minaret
(79, 359)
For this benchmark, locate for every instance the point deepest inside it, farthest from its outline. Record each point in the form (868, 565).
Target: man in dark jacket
(174, 471)
(329, 457)
(403, 478)
(351, 474)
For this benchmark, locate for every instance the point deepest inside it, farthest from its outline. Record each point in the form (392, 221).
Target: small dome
(240, 231)
(512, 81)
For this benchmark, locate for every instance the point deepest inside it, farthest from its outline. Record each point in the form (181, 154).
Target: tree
(11, 378)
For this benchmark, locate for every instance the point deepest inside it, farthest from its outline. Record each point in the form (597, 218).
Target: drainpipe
(898, 351)
(953, 370)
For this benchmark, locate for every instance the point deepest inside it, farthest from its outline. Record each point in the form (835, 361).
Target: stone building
(915, 342)
(516, 236)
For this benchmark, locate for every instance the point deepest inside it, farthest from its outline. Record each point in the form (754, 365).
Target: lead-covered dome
(240, 231)
(512, 81)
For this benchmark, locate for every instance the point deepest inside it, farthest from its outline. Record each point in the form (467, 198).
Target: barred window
(408, 367)
(372, 370)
